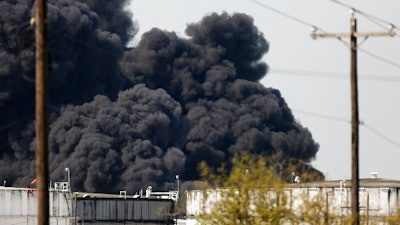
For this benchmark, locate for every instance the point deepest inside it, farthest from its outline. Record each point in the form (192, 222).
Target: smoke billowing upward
(84, 62)
(126, 119)
(113, 18)
(213, 75)
(124, 143)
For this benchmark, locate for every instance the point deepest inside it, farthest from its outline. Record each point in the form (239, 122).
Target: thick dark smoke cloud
(240, 39)
(84, 62)
(213, 75)
(134, 141)
(128, 118)
(222, 48)
(114, 18)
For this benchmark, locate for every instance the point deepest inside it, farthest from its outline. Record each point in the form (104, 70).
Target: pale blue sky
(312, 75)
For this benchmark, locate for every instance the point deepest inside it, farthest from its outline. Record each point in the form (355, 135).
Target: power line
(339, 119)
(373, 55)
(332, 75)
(339, 36)
(316, 28)
(313, 35)
(370, 17)
(380, 134)
(355, 122)
(379, 57)
(300, 21)
(378, 21)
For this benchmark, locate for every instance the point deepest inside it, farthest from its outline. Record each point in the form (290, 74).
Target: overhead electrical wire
(341, 40)
(379, 22)
(316, 28)
(322, 116)
(388, 26)
(300, 21)
(380, 134)
(362, 123)
(374, 19)
(373, 55)
(332, 75)
(380, 58)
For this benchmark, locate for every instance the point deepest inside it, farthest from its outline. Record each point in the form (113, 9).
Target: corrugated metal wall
(17, 203)
(105, 209)
(19, 206)
(379, 201)
(33, 221)
(23, 202)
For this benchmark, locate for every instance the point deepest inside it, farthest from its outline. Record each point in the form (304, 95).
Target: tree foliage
(249, 193)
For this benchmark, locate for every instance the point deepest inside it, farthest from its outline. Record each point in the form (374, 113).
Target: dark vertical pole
(42, 172)
(354, 109)
(326, 219)
(75, 196)
(367, 209)
(354, 125)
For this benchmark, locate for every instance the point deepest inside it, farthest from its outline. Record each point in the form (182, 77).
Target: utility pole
(355, 184)
(355, 181)
(41, 82)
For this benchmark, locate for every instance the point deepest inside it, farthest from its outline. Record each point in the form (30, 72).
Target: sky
(313, 75)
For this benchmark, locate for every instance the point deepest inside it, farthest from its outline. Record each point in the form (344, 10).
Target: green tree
(394, 219)
(314, 210)
(249, 192)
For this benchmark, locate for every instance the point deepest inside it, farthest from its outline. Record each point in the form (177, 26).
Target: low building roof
(364, 183)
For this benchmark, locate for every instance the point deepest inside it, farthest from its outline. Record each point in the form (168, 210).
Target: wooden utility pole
(355, 184)
(42, 169)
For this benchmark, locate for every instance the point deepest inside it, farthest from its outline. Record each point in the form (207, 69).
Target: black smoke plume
(128, 118)
(131, 142)
(214, 75)
(84, 62)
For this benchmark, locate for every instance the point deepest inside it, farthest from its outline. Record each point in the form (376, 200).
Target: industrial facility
(19, 206)
(378, 197)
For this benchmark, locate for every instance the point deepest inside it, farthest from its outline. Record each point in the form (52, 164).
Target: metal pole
(177, 196)
(69, 178)
(354, 124)
(367, 209)
(41, 93)
(75, 196)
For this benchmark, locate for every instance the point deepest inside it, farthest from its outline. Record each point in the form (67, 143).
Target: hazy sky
(313, 75)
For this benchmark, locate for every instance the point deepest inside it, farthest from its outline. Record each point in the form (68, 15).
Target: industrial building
(19, 206)
(378, 198)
